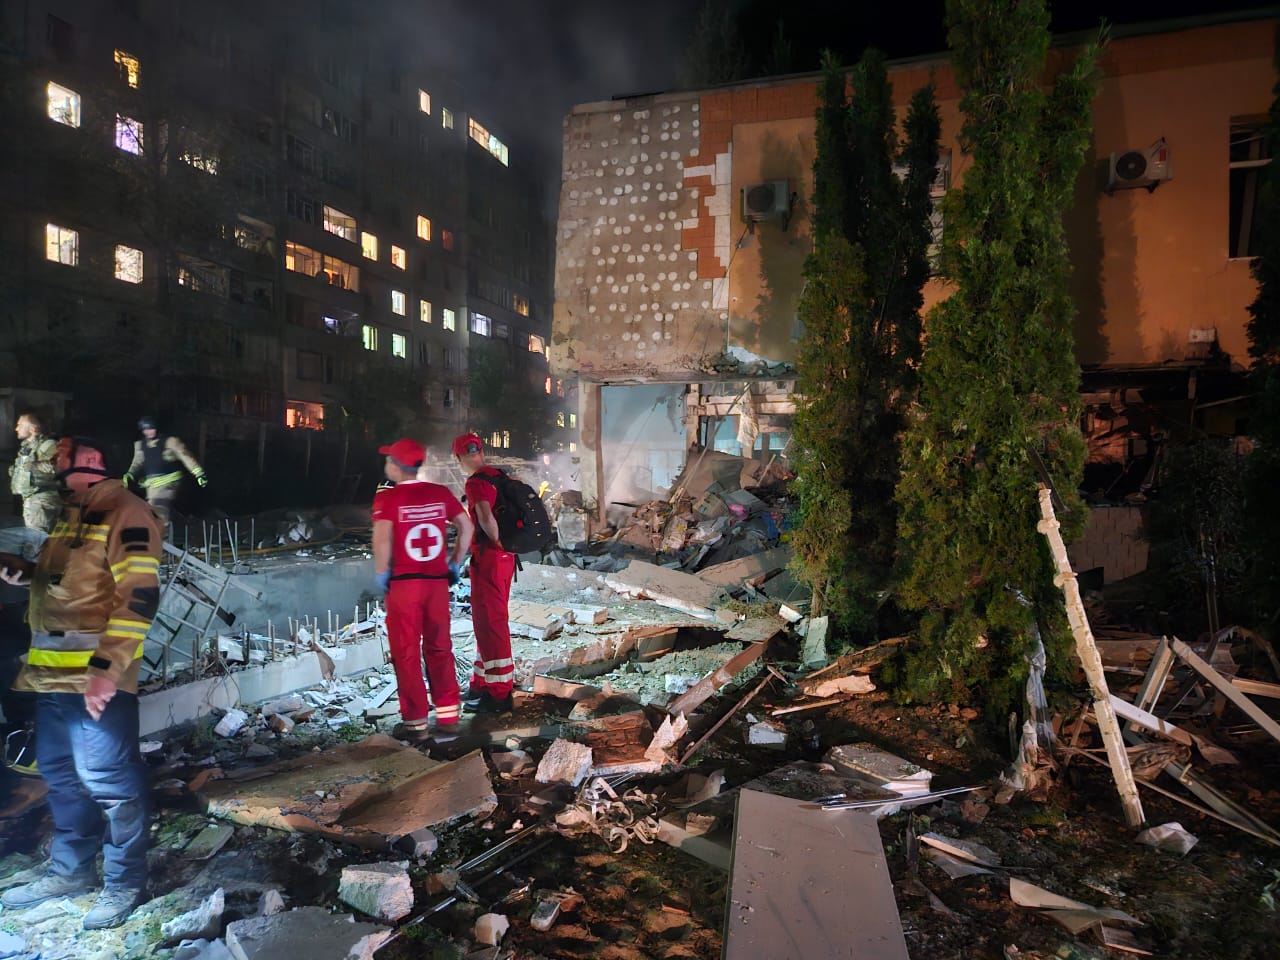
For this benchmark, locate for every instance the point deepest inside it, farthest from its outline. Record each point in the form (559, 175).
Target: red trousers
(418, 631)
(491, 573)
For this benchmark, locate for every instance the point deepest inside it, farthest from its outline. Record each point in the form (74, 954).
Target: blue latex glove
(382, 581)
(455, 572)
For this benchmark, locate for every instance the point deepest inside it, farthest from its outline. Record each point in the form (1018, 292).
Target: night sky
(531, 60)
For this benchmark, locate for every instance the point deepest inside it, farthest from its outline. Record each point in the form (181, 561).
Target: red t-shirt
(478, 489)
(419, 512)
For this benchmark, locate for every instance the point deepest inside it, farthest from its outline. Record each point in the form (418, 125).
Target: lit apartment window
(546, 386)
(64, 105)
(448, 319)
(424, 101)
(128, 264)
(424, 227)
(339, 223)
(536, 345)
(300, 259)
(506, 439)
(446, 239)
(573, 447)
(446, 118)
(520, 304)
(398, 302)
(481, 324)
(495, 438)
(128, 134)
(61, 245)
(398, 257)
(573, 421)
(487, 140)
(399, 346)
(369, 246)
(1250, 154)
(424, 311)
(130, 68)
(559, 388)
(369, 336)
(560, 419)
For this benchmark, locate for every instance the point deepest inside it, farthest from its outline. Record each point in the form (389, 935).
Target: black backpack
(522, 518)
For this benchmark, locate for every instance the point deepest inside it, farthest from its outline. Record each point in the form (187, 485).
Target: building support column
(591, 465)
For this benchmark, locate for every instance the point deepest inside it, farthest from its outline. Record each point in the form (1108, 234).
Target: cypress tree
(998, 396)
(861, 311)
(1263, 474)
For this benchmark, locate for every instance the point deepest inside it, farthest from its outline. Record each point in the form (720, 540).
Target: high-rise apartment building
(262, 220)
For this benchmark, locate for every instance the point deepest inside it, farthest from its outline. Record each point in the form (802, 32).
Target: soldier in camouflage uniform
(33, 476)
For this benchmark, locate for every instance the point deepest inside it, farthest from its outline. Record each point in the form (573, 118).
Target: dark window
(60, 36)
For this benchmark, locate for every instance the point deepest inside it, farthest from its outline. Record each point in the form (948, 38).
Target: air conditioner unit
(1140, 168)
(766, 201)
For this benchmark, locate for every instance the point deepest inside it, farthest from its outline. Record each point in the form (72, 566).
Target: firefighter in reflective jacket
(157, 468)
(94, 592)
(413, 565)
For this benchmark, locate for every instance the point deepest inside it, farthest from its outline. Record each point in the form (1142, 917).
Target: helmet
(147, 423)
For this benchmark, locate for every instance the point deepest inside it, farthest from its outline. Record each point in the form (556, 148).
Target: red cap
(467, 443)
(406, 452)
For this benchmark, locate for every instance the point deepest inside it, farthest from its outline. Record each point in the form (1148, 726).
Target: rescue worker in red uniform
(413, 565)
(492, 568)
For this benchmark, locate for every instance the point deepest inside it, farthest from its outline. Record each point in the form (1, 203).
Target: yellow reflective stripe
(85, 531)
(58, 658)
(135, 565)
(163, 479)
(127, 628)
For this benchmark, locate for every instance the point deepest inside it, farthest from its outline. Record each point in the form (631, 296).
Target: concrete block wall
(1112, 540)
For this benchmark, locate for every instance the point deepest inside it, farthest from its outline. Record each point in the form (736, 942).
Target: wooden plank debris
(689, 701)
(1225, 687)
(788, 860)
(1112, 737)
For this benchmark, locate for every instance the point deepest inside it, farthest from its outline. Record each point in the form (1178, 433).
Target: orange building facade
(670, 270)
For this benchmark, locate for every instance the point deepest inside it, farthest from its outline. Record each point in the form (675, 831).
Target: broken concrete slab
(420, 844)
(367, 793)
(733, 572)
(565, 761)
(379, 890)
(765, 734)
(814, 650)
(208, 842)
(202, 923)
(201, 950)
(310, 932)
(537, 621)
(787, 859)
(669, 588)
(563, 689)
(490, 928)
(881, 768)
(838, 686)
(756, 630)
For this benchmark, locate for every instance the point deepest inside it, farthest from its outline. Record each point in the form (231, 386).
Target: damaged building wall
(660, 278)
(644, 441)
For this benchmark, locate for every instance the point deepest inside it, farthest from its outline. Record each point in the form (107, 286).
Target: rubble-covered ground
(532, 848)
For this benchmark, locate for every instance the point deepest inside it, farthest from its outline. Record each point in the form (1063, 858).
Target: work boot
(112, 908)
(413, 732)
(489, 704)
(46, 888)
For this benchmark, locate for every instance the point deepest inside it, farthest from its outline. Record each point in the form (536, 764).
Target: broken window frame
(1249, 153)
